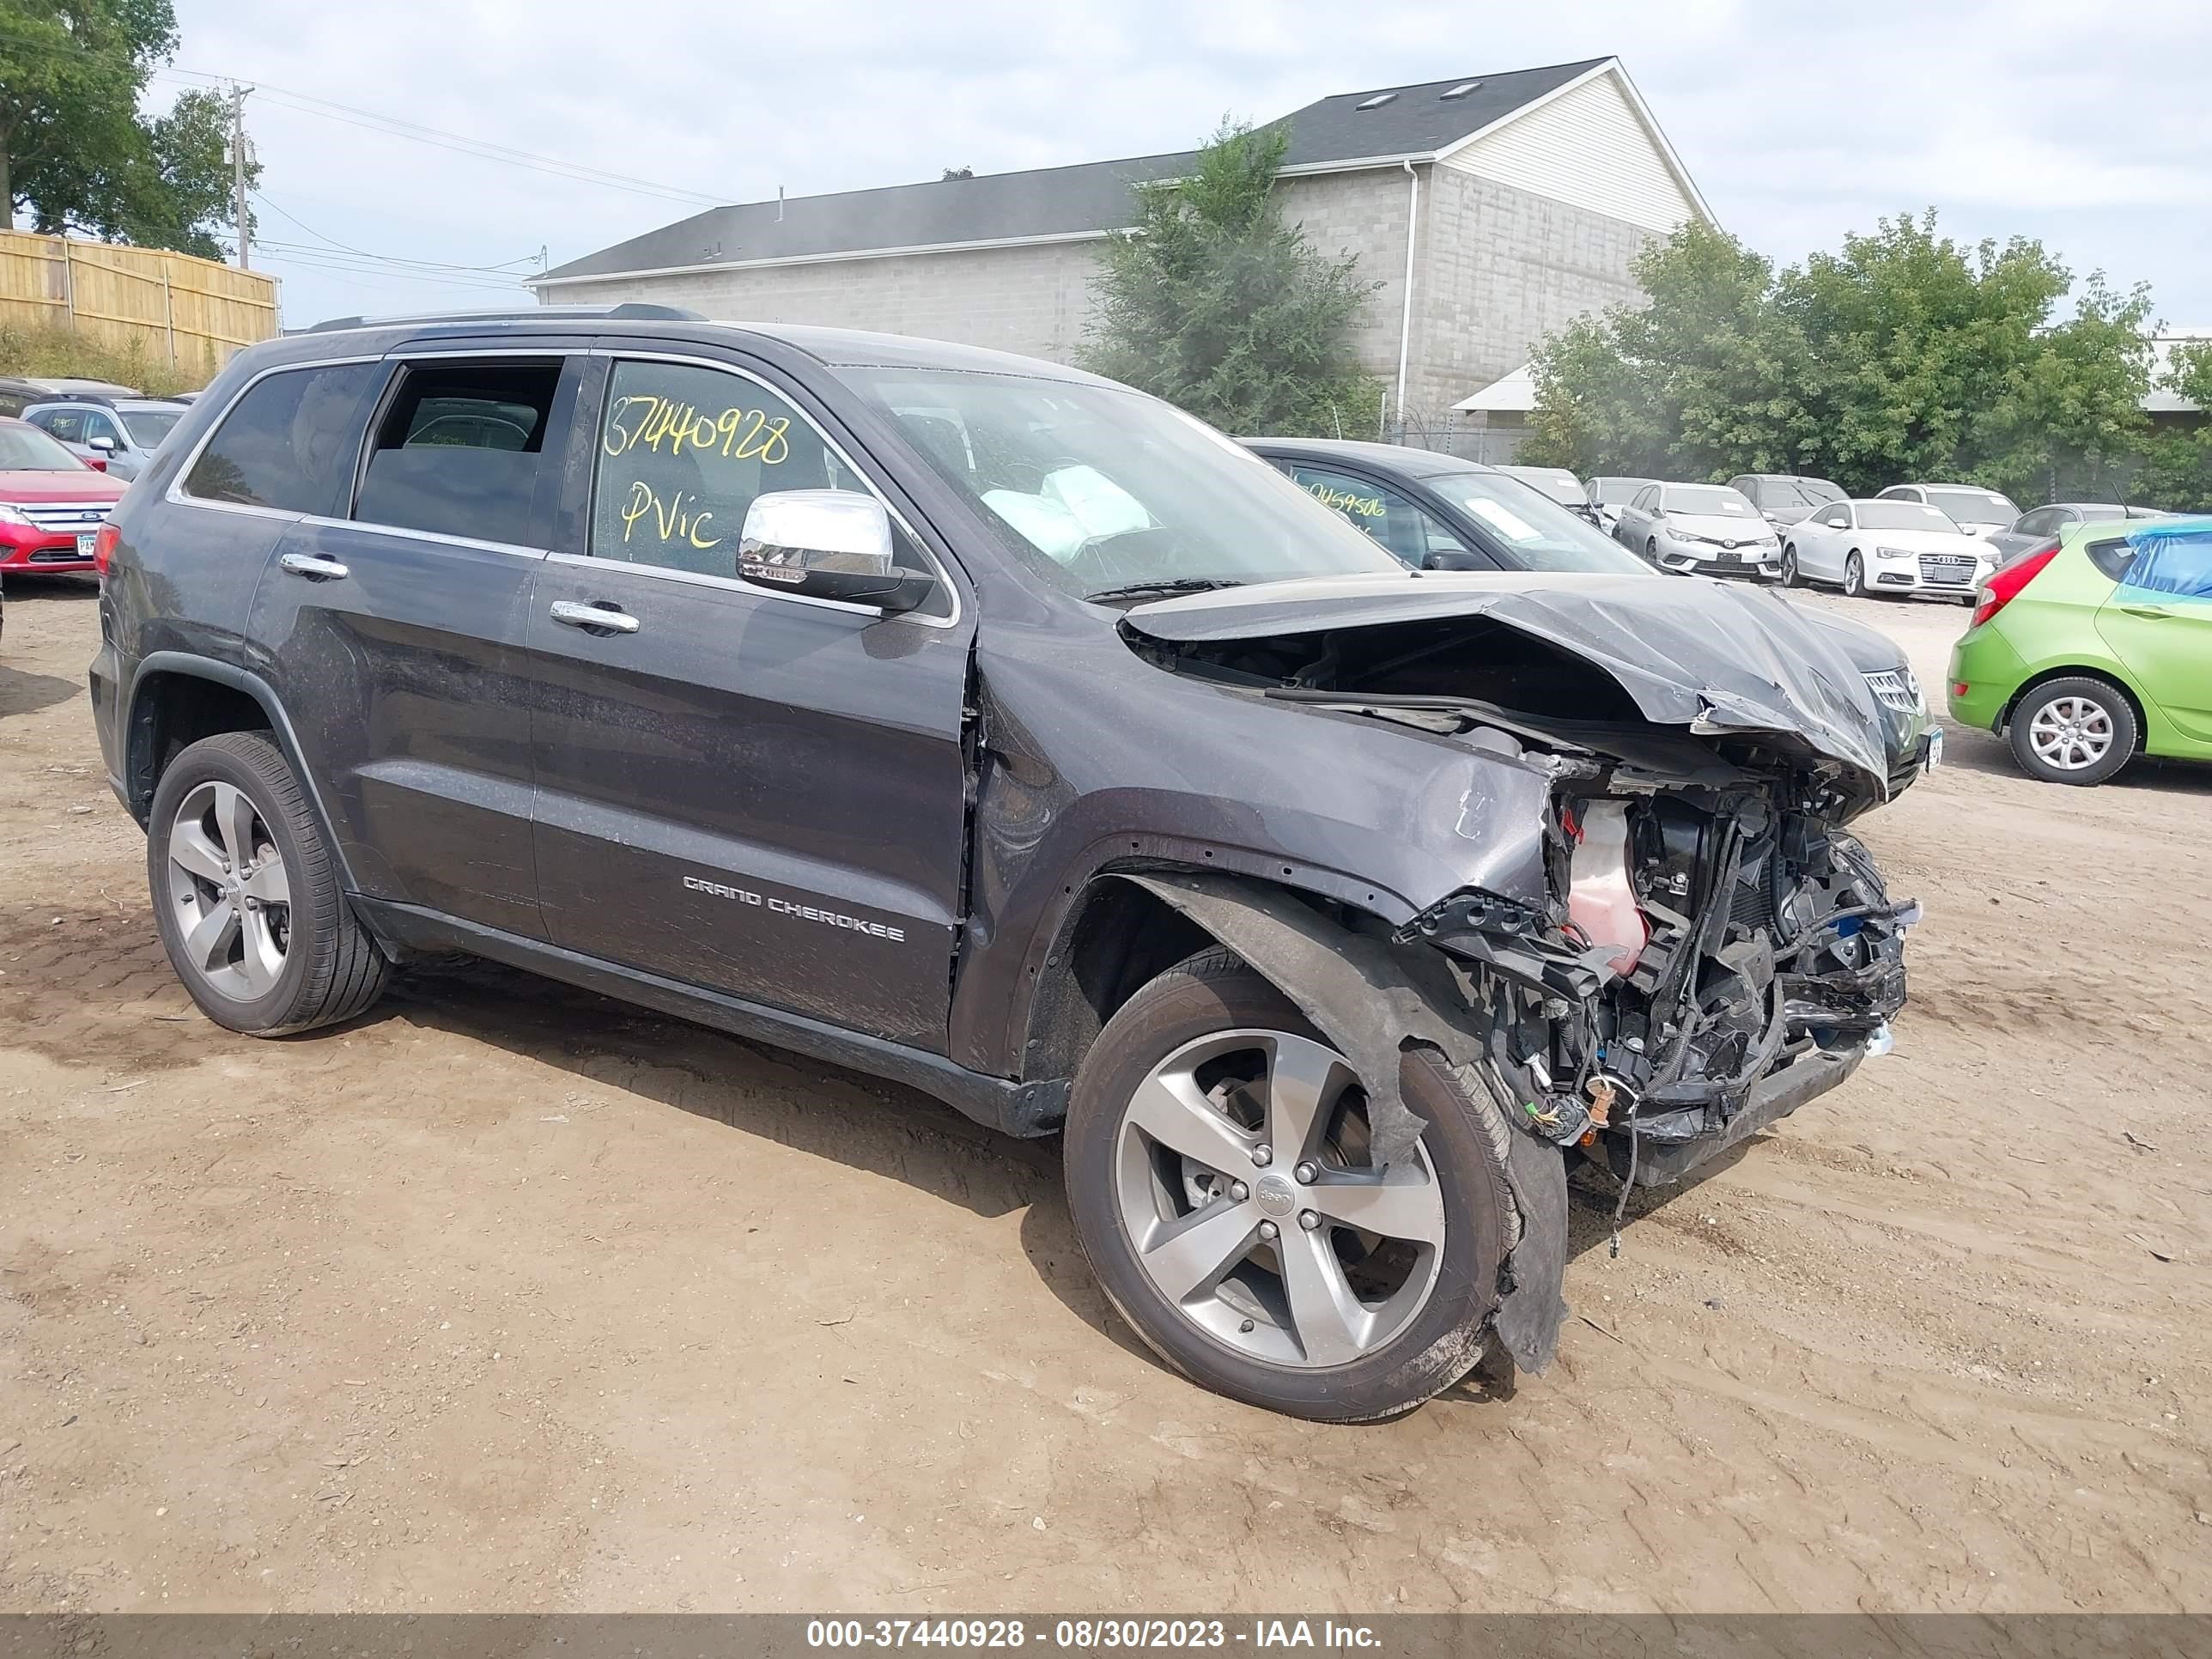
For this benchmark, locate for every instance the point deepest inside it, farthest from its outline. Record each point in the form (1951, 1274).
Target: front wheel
(1853, 577)
(1790, 576)
(2077, 729)
(247, 895)
(1217, 1172)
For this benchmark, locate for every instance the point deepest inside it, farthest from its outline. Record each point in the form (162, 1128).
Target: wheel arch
(177, 698)
(2078, 670)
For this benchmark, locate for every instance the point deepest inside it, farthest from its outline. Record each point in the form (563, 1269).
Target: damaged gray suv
(985, 726)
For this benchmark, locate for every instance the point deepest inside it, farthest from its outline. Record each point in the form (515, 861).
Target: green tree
(1213, 303)
(1904, 356)
(75, 152)
(2176, 469)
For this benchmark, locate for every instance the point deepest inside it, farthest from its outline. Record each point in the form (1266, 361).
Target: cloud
(1799, 123)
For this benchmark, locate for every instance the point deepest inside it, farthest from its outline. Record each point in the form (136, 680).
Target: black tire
(1791, 578)
(1651, 552)
(332, 970)
(1439, 1344)
(2126, 732)
(1854, 576)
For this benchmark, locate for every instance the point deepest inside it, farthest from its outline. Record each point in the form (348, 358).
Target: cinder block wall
(1497, 270)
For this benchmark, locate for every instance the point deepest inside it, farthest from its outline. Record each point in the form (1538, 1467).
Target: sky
(2072, 123)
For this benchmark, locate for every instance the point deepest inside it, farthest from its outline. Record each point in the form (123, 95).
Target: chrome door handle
(605, 617)
(313, 567)
(2152, 612)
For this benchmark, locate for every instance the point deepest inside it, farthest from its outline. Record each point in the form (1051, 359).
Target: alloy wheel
(1242, 1180)
(228, 890)
(2072, 733)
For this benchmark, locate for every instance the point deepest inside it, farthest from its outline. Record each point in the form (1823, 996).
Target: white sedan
(1886, 547)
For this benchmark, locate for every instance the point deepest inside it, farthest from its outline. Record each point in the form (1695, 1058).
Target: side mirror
(827, 544)
(102, 443)
(97, 463)
(1450, 558)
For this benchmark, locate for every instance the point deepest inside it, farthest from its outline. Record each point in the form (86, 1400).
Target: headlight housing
(1895, 553)
(15, 515)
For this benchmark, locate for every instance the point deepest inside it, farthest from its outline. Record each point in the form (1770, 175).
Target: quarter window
(460, 449)
(289, 443)
(683, 453)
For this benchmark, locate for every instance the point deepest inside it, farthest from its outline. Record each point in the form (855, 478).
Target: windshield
(1903, 515)
(1557, 483)
(148, 426)
(27, 449)
(1100, 488)
(1794, 497)
(1615, 491)
(1540, 534)
(1707, 501)
(1974, 506)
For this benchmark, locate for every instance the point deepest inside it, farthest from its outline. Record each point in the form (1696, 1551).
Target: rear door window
(289, 444)
(2170, 568)
(460, 449)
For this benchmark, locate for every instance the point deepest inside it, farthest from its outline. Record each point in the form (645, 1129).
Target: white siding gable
(1588, 147)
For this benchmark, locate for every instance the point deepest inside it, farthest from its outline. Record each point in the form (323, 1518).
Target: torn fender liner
(1370, 1000)
(1534, 1306)
(1715, 657)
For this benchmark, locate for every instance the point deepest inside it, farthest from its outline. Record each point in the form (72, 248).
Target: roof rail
(629, 310)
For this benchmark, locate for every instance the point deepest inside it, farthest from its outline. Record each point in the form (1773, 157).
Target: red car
(50, 502)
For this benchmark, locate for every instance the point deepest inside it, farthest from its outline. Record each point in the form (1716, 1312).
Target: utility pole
(237, 174)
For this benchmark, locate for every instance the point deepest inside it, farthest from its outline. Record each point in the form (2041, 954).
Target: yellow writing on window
(648, 420)
(672, 518)
(1344, 501)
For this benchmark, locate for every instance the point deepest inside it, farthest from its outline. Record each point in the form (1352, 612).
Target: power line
(352, 115)
(498, 269)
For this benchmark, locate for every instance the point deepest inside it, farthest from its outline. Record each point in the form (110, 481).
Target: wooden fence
(191, 314)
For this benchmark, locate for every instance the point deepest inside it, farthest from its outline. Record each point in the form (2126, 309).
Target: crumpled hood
(1714, 657)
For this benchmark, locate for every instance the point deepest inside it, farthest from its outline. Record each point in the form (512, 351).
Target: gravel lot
(508, 1298)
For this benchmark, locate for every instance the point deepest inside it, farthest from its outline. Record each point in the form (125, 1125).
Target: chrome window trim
(520, 550)
(617, 353)
(177, 495)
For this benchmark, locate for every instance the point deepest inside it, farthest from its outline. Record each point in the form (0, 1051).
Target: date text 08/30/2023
(1088, 1634)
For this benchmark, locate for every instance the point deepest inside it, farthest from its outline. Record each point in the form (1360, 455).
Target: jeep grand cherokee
(981, 724)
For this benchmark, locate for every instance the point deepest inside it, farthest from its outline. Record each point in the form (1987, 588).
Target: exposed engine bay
(1714, 946)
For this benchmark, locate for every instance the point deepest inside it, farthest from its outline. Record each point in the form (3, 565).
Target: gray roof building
(1514, 200)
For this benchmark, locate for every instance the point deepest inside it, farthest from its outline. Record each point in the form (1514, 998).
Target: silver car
(2042, 523)
(1608, 496)
(1707, 530)
(120, 434)
(1977, 511)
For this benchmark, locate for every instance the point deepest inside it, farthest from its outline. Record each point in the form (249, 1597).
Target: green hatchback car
(2094, 649)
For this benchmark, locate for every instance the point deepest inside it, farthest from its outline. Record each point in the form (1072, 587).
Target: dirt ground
(508, 1298)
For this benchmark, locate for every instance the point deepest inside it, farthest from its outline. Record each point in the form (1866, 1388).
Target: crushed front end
(1714, 958)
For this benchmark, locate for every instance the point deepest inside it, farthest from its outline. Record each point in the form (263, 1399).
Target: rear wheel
(246, 896)
(1218, 1175)
(2080, 730)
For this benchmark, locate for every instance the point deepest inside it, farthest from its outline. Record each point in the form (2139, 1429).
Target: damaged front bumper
(1764, 962)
